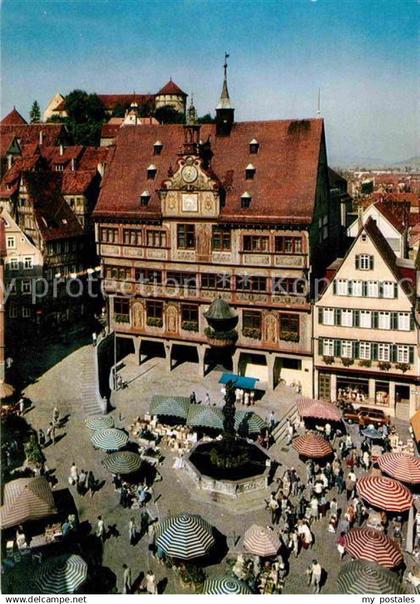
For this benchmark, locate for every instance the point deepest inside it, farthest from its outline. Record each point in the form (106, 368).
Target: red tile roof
(283, 187)
(29, 133)
(398, 219)
(77, 182)
(110, 100)
(110, 130)
(54, 218)
(171, 88)
(13, 118)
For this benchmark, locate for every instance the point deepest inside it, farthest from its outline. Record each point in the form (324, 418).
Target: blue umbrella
(373, 433)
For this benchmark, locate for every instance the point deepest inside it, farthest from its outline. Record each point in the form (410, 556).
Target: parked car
(365, 416)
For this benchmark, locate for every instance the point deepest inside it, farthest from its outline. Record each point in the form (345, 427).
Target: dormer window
(157, 148)
(144, 198)
(254, 146)
(250, 172)
(151, 171)
(246, 200)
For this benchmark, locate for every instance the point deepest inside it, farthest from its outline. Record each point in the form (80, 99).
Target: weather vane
(225, 63)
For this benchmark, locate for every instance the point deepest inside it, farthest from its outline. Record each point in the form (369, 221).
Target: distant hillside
(372, 163)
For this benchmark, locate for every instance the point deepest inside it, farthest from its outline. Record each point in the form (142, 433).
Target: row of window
(66, 246)
(218, 281)
(365, 289)
(14, 312)
(251, 319)
(368, 351)
(369, 319)
(186, 239)
(26, 263)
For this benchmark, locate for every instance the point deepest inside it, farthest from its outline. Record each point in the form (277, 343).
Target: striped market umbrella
(100, 423)
(225, 586)
(61, 575)
(204, 416)
(25, 500)
(249, 422)
(362, 577)
(122, 462)
(185, 536)
(312, 408)
(109, 439)
(401, 466)
(374, 546)
(312, 445)
(384, 493)
(261, 541)
(170, 406)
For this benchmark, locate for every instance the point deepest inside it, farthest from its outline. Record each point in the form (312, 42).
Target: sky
(362, 54)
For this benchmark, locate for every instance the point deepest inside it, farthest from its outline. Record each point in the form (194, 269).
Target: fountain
(230, 465)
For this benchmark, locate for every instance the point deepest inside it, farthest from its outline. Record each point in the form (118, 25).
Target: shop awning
(415, 423)
(247, 383)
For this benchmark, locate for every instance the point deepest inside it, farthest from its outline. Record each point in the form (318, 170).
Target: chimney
(360, 216)
(61, 149)
(9, 161)
(72, 164)
(101, 168)
(41, 137)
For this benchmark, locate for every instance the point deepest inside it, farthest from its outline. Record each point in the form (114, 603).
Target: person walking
(41, 438)
(316, 576)
(273, 506)
(151, 586)
(81, 483)
(91, 483)
(341, 539)
(132, 531)
(272, 421)
(74, 476)
(51, 433)
(127, 583)
(100, 529)
(21, 406)
(56, 416)
(207, 399)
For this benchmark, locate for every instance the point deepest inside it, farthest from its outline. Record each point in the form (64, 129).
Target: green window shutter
(374, 351)
(337, 348)
(337, 316)
(375, 319)
(320, 346)
(350, 288)
(357, 261)
(412, 323)
(394, 353)
(334, 287)
(364, 288)
(395, 290)
(411, 354)
(381, 289)
(356, 318)
(320, 318)
(394, 320)
(355, 350)
(371, 262)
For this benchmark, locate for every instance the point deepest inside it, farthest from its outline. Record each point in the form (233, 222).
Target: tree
(206, 119)
(86, 114)
(169, 115)
(118, 110)
(35, 113)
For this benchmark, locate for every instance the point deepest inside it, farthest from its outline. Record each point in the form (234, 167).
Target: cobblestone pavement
(61, 384)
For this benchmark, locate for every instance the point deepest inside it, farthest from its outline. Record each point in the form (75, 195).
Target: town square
(209, 309)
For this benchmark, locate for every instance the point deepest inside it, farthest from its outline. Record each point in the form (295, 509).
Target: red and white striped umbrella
(261, 541)
(309, 407)
(384, 493)
(374, 546)
(402, 466)
(312, 445)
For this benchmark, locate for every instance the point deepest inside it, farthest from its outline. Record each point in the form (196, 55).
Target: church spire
(224, 109)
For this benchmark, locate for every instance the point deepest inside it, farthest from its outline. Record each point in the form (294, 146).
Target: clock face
(189, 173)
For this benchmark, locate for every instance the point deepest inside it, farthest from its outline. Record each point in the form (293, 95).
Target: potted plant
(365, 363)
(384, 365)
(289, 336)
(189, 325)
(251, 332)
(154, 321)
(346, 361)
(402, 367)
(121, 318)
(328, 360)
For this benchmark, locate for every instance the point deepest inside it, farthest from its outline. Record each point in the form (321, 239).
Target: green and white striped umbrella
(109, 439)
(171, 406)
(362, 577)
(61, 575)
(185, 536)
(205, 416)
(225, 586)
(122, 462)
(249, 422)
(100, 423)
